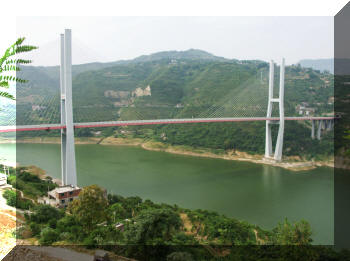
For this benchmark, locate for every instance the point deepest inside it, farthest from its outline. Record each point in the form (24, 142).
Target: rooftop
(64, 189)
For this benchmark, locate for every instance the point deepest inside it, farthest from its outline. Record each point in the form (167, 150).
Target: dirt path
(24, 197)
(7, 225)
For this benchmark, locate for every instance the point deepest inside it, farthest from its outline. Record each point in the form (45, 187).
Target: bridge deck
(149, 122)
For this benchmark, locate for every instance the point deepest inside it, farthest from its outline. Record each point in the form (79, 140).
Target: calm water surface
(263, 195)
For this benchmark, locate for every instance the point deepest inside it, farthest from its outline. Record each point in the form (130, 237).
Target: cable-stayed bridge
(253, 101)
(48, 127)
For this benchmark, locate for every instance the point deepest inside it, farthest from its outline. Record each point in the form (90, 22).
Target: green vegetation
(90, 208)
(91, 220)
(10, 197)
(14, 199)
(341, 131)
(248, 137)
(163, 232)
(8, 66)
(184, 85)
(152, 231)
(31, 185)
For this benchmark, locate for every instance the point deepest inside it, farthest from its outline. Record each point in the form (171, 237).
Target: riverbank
(290, 163)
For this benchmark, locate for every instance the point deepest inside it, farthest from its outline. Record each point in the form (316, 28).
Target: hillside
(191, 54)
(175, 84)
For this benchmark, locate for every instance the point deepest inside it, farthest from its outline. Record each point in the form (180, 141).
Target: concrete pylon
(280, 101)
(329, 125)
(279, 143)
(313, 129)
(268, 139)
(63, 113)
(319, 129)
(69, 173)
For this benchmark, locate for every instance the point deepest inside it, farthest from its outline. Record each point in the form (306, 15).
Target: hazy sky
(115, 38)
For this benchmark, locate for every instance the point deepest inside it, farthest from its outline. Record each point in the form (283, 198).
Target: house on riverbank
(61, 196)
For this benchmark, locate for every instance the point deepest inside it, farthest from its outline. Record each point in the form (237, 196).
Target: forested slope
(185, 84)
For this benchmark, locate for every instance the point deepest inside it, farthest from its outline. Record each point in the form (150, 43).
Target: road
(61, 253)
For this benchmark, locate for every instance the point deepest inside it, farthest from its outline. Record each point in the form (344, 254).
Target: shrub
(52, 223)
(48, 236)
(34, 228)
(11, 180)
(89, 242)
(66, 224)
(43, 213)
(22, 232)
(10, 197)
(24, 203)
(15, 200)
(66, 236)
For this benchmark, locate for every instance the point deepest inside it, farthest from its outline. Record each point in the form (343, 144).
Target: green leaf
(7, 95)
(4, 84)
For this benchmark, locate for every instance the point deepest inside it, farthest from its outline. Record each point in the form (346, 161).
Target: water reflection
(271, 177)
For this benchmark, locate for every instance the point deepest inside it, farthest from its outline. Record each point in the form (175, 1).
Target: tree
(44, 213)
(298, 233)
(9, 66)
(118, 212)
(151, 233)
(90, 208)
(153, 226)
(48, 236)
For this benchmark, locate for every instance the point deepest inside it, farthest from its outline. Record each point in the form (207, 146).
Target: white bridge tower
(280, 100)
(68, 167)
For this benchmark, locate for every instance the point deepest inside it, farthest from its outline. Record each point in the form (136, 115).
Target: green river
(260, 194)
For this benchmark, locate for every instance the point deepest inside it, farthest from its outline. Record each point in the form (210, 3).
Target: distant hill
(186, 79)
(191, 54)
(318, 64)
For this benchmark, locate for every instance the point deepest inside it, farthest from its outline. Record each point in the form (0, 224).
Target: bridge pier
(330, 125)
(313, 129)
(319, 130)
(322, 125)
(280, 100)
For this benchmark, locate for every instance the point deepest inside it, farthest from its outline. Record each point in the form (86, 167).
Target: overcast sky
(115, 38)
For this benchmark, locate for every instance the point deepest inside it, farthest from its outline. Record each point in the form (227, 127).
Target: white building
(3, 179)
